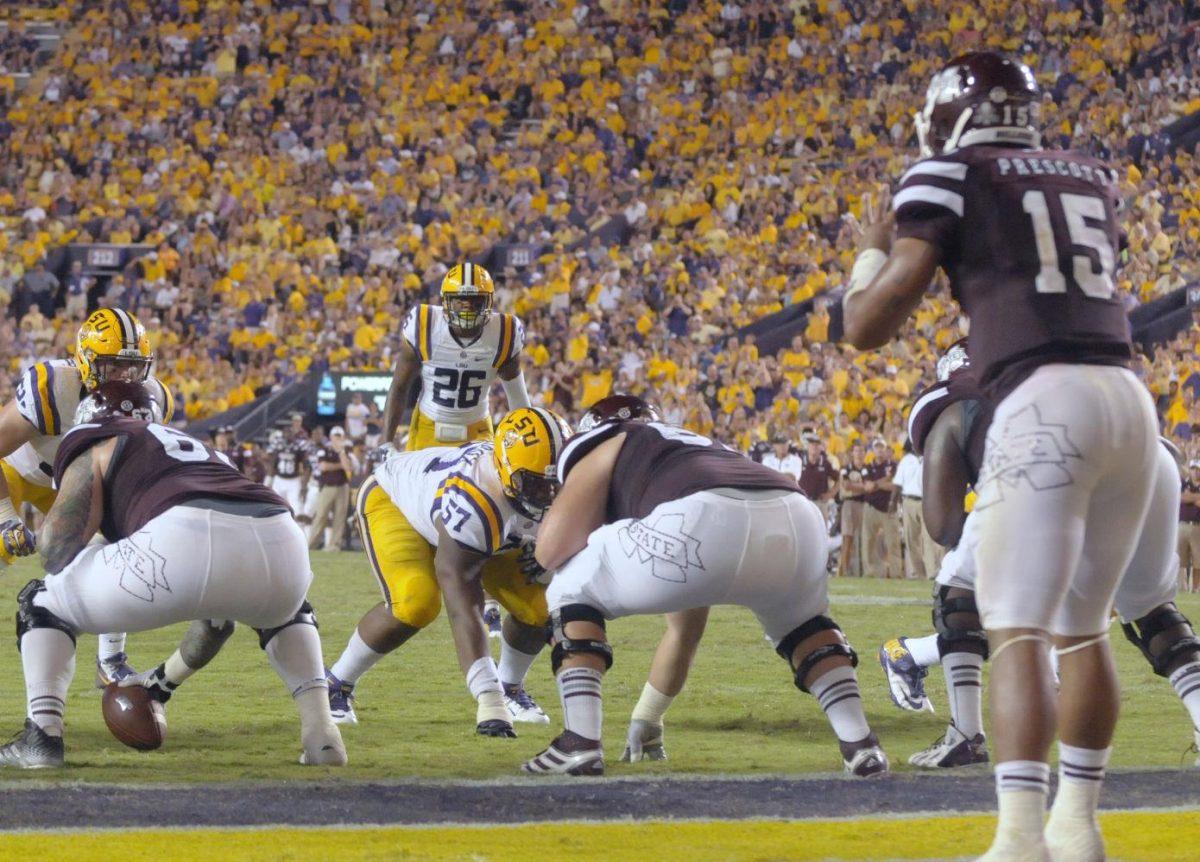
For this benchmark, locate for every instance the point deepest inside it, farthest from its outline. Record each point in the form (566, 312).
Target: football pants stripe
(360, 511)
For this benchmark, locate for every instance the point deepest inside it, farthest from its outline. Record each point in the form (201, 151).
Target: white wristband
(866, 267)
(7, 512)
(652, 705)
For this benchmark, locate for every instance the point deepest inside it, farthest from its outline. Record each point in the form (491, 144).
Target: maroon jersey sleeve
(78, 440)
(929, 202)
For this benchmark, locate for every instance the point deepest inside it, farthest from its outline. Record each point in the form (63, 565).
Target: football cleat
(1074, 839)
(113, 669)
(341, 700)
(497, 728)
(324, 748)
(491, 618)
(951, 751)
(568, 754)
(1013, 850)
(867, 762)
(32, 748)
(522, 707)
(644, 742)
(905, 678)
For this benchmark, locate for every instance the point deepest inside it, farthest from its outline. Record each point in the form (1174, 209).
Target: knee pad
(30, 616)
(564, 646)
(801, 633)
(1142, 632)
(305, 616)
(954, 637)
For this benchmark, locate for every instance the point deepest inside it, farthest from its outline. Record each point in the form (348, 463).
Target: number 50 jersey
(1029, 239)
(458, 487)
(456, 377)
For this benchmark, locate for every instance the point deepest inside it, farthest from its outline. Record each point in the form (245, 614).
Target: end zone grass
(740, 713)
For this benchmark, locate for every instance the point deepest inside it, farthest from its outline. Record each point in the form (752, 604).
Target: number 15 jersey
(1029, 239)
(456, 377)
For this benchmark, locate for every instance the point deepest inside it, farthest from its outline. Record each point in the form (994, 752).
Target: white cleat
(569, 754)
(867, 763)
(1074, 840)
(523, 708)
(952, 751)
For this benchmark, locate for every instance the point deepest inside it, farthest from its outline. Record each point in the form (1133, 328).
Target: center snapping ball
(135, 718)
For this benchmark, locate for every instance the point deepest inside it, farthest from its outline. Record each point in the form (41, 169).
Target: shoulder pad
(470, 516)
(935, 182)
(38, 391)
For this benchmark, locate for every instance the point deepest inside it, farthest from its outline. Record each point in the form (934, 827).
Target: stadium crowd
(681, 170)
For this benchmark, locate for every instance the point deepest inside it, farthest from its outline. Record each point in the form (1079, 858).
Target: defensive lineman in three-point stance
(188, 538)
(1029, 240)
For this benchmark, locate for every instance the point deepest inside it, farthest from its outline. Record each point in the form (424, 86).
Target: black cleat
(32, 748)
(496, 727)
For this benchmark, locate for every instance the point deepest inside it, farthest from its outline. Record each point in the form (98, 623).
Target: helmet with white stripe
(467, 294)
(980, 98)
(112, 345)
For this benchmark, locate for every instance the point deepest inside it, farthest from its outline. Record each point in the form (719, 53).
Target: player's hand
(532, 570)
(643, 742)
(154, 681)
(18, 540)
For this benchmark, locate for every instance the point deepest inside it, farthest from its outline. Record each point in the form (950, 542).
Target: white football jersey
(48, 393)
(456, 378)
(459, 487)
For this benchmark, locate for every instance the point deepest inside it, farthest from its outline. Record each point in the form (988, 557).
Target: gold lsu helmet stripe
(554, 436)
(128, 328)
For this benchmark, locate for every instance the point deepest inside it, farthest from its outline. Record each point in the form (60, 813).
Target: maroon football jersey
(962, 385)
(1029, 240)
(153, 469)
(659, 463)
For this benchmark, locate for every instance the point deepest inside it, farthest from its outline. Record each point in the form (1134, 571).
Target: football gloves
(17, 539)
(532, 570)
(644, 742)
(155, 681)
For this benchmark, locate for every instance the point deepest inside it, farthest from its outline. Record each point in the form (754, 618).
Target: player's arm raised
(78, 508)
(408, 366)
(945, 478)
(578, 510)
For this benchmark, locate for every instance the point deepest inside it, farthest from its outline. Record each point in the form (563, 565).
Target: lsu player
(444, 523)
(458, 349)
(111, 345)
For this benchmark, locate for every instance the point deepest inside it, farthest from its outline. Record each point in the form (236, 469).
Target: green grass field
(739, 714)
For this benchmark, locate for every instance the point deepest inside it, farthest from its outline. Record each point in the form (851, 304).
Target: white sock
(356, 659)
(110, 645)
(1021, 789)
(1186, 682)
(964, 687)
(514, 664)
(1080, 777)
(924, 650)
(295, 653)
(579, 690)
(837, 693)
(48, 658)
(652, 705)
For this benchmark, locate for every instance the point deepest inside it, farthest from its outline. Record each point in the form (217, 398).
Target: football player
(442, 523)
(459, 349)
(1029, 240)
(110, 345)
(288, 459)
(655, 519)
(947, 424)
(178, 520)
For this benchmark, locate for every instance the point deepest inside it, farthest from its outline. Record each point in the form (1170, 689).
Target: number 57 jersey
(459, 488)
(456, 377)
(1029, 239)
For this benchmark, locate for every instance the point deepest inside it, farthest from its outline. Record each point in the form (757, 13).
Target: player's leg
(326, 500)
(668, 673)
(525, 632)
(403, 564)
(341, 510)
(914, 535)
(848, 562)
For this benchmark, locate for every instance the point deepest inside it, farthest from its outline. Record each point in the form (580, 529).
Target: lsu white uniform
(456, 378)
(409, 494)
(47, 395)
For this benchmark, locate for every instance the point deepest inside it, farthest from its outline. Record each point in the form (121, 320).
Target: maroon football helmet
(617, 408)
(980, 98)
(119, 398)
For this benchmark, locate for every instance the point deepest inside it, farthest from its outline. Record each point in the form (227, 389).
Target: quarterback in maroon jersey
(1029, 240)
(188, 537)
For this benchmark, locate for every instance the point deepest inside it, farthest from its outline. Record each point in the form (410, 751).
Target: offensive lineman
(178, 520)
(1029, 240)
(111, 345)
(653, 519)
(948, 423)
(441, 522)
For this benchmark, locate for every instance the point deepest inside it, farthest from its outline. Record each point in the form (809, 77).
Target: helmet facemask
(128, 368)
(532, 493)
(467, 312)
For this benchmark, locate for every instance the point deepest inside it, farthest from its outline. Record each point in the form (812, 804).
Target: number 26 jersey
(456, 377)
(1029, 239)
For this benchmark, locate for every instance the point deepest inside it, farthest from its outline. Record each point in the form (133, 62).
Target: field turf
(739, 715)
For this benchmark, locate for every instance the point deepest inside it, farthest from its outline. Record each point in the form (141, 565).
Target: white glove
(644, 742)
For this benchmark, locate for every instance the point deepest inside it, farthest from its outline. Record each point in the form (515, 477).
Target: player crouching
(188, 538)
(442, 524)
(654, 519)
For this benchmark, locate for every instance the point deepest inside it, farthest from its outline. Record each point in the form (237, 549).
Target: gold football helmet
(526, 447)
(112, 345)
(467, 293)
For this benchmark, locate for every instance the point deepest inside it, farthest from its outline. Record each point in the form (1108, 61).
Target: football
(134, 717)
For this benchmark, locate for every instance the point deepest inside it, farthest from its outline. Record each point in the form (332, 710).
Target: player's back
(1029, 239)
(155, 468)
